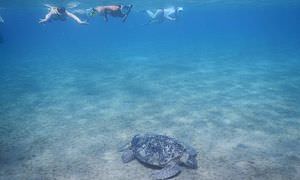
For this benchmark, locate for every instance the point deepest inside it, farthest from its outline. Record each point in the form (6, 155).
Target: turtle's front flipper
(127, 156)
(169, 171)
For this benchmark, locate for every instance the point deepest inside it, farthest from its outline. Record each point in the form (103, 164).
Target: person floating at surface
(121, 11)
(60, 13)
(161, 15)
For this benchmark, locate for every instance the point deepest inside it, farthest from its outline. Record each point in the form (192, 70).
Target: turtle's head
(189, 158)
(136, 139)
(133, 142)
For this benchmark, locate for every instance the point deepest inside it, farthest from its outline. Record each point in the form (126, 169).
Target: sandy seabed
(67, 121)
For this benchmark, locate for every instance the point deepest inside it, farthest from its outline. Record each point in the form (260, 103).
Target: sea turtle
(160, 151)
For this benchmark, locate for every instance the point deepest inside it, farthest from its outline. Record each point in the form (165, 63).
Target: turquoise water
(225, 79)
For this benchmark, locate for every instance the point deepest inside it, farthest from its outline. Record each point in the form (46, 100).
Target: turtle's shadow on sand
(156, 168)
(149, 166)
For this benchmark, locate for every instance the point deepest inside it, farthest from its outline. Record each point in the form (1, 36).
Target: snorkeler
(161, 15)
(121, 11)
(60, 13)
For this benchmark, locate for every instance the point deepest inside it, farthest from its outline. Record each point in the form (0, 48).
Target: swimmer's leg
(48, 6)
(150, 14)
(128, 12)
(155, 17)
(158, 13)
(74, 17)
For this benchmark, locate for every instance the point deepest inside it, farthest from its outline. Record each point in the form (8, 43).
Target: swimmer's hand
(42, 21)
(84, 23)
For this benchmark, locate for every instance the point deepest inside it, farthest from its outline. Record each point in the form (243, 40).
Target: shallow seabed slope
(71, 95)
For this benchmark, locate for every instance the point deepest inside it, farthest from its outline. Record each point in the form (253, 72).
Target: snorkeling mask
(179, 9)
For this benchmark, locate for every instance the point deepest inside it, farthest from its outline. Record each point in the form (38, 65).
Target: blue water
(224, 79)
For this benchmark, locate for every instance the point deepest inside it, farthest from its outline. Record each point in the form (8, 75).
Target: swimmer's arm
(47, 17)
(73, 16)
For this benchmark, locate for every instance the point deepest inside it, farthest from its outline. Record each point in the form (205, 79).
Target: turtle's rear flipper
(169, 171)
(127, 156)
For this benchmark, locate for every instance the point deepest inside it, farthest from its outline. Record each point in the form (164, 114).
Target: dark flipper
(169, 171)
(127, 156)
(127, 13)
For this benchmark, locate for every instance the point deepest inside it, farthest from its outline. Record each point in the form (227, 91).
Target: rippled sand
(66, 121)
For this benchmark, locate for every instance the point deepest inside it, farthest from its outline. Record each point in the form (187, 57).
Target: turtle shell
(156, 150)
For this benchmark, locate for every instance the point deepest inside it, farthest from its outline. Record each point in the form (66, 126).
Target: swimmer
(161, 15)
(1, 20)
(60, 13)
(121, 11)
